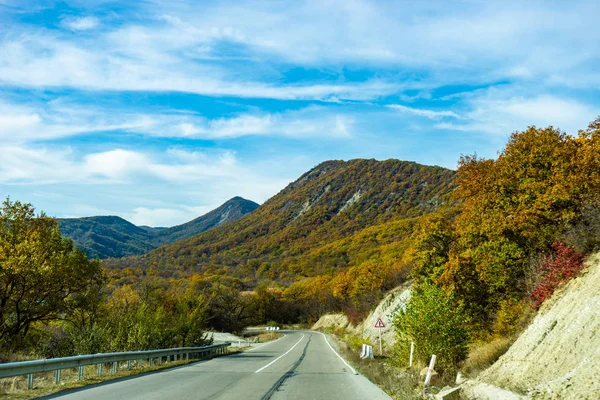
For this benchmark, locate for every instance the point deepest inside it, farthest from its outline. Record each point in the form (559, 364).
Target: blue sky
(159, 111)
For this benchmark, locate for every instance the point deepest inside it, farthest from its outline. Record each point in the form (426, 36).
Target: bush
(54, 342)
(510, 317)
(563, 265)
(437, 326)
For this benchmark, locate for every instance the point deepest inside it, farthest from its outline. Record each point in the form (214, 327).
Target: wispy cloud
(57, 119)
(501, 112)
(431, 114)
(80, 23)
(21, 165)
(48, 62)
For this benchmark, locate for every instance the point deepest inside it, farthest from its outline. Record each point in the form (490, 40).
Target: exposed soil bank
(558, 355)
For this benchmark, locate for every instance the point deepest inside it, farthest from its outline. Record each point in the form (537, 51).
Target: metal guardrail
(57, 364)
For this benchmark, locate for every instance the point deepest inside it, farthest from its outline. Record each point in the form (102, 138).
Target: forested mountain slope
(111, 236)
(336, 215)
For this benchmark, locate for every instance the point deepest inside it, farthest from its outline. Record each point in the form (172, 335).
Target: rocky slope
(386, 309)
(558, 356)
(111, 236)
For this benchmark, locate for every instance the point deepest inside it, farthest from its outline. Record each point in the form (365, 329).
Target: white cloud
(501, 112)
(431, 114)
(57, 119)
(185, 46)
(80, 23)
(45, 61)
(115, 164)
(148, 188)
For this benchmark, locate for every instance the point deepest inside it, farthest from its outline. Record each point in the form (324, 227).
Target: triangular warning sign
(379, 323)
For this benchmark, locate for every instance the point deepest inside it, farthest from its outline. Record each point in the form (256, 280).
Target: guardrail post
(57, 377)
(115, 366)
(99, 369)
(80, 374)
(128, 364)
(29, 381)
(187, 356)
(150, 361)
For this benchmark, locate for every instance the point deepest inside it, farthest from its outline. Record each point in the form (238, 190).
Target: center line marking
(272, 362)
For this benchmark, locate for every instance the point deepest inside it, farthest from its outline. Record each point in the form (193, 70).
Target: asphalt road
(300, 365)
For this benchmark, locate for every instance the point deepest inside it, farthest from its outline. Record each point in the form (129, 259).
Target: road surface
(300, 365)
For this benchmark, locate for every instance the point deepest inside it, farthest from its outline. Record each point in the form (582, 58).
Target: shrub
(510, 317)
(437, 326)
(563, 265)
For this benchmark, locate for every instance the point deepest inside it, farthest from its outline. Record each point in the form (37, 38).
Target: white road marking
(336, 353)
(272, 362)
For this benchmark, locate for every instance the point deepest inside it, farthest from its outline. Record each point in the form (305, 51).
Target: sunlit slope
(322, 220)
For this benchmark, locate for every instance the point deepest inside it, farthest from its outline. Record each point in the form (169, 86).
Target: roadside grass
(482, 356)
(267, 337)
(43, 383)
(399, 383)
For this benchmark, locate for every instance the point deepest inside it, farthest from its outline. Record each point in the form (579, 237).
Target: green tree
(42, 276)
(436, 325)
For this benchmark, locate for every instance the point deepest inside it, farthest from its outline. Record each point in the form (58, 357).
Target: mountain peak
(112, 236)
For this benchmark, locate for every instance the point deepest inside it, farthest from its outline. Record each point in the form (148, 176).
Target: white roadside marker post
(412, 351)
(430, 370)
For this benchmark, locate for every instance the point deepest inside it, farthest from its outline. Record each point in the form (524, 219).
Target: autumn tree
(42, 276)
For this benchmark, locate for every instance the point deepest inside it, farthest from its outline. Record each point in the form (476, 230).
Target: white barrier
(272, 328)
(367, 351)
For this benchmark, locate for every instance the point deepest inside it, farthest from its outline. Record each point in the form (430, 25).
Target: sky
(160, 111)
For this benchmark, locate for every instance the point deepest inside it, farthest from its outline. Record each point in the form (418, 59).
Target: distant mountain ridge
(111, 236)
(336, 215)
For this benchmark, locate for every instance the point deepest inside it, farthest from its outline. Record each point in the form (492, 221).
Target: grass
(265, 337)
(483, 355)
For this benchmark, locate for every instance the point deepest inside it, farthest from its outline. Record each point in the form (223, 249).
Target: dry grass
(484, 355)
(266, 337)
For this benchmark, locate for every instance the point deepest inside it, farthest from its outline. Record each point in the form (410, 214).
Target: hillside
(338, 214)
(111, 236)
(557, 357)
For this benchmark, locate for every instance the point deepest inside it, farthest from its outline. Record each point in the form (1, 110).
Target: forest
(484, 245)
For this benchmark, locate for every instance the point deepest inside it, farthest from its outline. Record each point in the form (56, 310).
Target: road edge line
(337, 354)
(273, 362)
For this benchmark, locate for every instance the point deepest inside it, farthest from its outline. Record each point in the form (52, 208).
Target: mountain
(111, 236)
(338, 214)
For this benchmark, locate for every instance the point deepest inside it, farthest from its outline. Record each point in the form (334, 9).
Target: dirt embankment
(385, 310)
(558, 356)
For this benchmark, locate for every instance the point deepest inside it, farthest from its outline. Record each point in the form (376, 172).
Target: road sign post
(380, 325)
